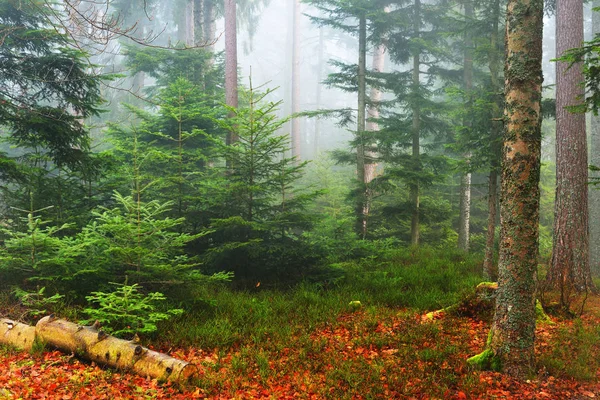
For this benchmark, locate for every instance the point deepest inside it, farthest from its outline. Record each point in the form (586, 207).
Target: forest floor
(371, 353)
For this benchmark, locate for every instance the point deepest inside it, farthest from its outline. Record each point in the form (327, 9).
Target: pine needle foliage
(259, 208)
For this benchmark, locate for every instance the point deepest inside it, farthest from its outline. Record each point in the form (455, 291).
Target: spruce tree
(259, 210)
(46, 89)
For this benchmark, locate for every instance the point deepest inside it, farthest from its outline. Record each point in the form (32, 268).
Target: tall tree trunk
(231, 64)
(570, 269)
(295, 133)
(361, 120)
(370, 165)
(465, 182)
(416, 129)
(489, 271)
(210, 24)
(181, 24)
(594, 193)
(189, 22)
(513, 329)
(319, 90)
(199, 38)
(185, 23)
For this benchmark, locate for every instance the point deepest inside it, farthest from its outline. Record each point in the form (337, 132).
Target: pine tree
(46, 89)
(570, 269)
(258, 209)
(357, 18)
(417, 120)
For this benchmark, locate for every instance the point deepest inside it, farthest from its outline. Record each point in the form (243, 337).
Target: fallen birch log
(93, 344)
(17, 334)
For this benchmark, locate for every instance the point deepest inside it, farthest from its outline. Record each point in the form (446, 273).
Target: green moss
(489, 285)
(486, 360)
(540, 314)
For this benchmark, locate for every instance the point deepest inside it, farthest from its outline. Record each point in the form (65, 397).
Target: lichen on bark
(512, 335)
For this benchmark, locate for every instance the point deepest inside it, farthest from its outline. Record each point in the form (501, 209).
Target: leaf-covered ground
(372, 353)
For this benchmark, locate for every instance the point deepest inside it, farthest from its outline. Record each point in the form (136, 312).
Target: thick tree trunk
(489, 270)
(361, 125)
(570, 269)
(94, 345)
(416, 131)
(511, 344)
(295, 133)
(231, 64)
(464, 220)
(594, 191)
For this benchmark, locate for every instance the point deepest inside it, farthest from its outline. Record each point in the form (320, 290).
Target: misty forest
(315, 199)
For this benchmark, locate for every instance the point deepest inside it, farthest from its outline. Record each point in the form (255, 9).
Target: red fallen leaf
(588, 394)
(461, 396)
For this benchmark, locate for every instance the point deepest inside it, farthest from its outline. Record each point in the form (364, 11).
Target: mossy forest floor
(309, 343)
(371, 353)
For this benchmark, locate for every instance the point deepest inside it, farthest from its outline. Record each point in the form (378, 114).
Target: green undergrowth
(419, 279)
(574, 352)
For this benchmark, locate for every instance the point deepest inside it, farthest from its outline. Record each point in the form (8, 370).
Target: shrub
(126, 311)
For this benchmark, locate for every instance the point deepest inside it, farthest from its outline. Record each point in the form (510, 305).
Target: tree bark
(231, 64)
(295, 133)
(570, 269)
(16, 334)
(594, 191)
(97, 346)
(370, 166)
(416, 130)
(464, 219)
(373, 112)
(512, 336)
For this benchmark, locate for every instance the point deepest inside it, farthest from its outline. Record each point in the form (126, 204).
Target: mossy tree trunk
(512, 334)
(570, 269)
